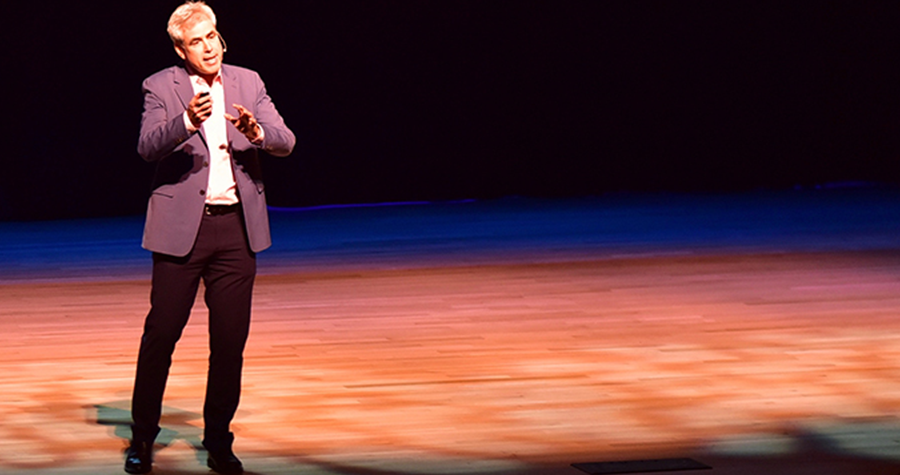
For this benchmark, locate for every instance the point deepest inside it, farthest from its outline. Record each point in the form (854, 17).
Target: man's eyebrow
(212, 32)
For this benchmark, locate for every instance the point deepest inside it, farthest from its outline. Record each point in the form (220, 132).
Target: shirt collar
(199, 81)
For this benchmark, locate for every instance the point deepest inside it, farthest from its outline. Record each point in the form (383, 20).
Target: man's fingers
(243, 111)
(245, 122)
(198, 112)
(200, 104)
(238, 122)
(202, 109)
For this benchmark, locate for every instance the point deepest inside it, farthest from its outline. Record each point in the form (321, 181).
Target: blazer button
(205, 164)
(202, 192)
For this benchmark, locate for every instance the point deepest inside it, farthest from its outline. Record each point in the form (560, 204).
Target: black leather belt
(218, 210)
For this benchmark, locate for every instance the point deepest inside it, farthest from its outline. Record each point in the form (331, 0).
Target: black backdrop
(449, 99)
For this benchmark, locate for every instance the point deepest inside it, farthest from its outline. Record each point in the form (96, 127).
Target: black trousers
(221, 257)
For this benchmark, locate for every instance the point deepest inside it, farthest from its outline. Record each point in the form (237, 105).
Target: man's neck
(209, 78)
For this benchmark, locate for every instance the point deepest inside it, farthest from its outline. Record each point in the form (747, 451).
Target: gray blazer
(182, 159)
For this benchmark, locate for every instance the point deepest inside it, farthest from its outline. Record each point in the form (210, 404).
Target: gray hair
(186, 15)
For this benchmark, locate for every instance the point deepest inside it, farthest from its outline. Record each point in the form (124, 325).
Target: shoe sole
(215, 468)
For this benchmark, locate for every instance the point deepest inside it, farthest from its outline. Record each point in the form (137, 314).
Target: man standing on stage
(203, 124)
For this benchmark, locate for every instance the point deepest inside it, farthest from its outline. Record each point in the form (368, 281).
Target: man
(203, 124)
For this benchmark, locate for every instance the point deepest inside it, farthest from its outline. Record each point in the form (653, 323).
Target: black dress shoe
(224, 461)
(139, 457)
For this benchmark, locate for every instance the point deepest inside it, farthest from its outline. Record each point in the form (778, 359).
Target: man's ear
(180, 51)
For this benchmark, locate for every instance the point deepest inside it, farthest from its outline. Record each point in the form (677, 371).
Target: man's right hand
(199, 109)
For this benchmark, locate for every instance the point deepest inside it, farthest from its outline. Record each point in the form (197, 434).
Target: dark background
(441, 99)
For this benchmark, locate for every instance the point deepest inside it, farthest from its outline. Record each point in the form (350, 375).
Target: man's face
(201, 48)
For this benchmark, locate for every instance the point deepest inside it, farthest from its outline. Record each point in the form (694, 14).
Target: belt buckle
(218, 210)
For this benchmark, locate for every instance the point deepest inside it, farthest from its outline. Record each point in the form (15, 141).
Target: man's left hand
(245, 122)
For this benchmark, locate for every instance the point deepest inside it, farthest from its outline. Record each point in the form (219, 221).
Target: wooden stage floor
(757, 334)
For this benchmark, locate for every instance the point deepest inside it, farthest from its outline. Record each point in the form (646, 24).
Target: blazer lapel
(183, 87)
(185, 92)
(232, 94)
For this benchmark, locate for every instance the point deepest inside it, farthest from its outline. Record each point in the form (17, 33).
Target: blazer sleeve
(279, 140)
(162, 129)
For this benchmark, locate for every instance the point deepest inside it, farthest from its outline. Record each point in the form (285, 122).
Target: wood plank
(740, 361)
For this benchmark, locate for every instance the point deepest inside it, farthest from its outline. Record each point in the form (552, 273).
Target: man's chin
(204, 69)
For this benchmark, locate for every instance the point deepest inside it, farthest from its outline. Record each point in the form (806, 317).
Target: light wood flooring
(750, 362)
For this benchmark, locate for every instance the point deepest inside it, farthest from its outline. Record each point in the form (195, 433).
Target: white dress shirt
(221, 189)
